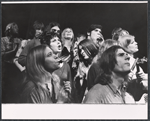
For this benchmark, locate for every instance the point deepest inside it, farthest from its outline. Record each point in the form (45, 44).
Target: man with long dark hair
(111, 84)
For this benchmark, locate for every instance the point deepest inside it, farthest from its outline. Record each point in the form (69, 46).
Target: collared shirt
(107, 94)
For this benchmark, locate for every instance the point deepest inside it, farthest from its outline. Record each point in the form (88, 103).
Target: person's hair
(118, 32)
(49, 26)
(35, 65)
(46, 39)
(63, 36)
(90, 49)
(93, 27)
(80, 35)
(125, 42)
(12, 29)
(37, 25)
(107, 44)
(107, 62)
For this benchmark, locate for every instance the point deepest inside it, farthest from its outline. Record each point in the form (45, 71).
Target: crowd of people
(57, 66)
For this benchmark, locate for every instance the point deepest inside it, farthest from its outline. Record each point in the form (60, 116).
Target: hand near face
(142, 76)
(67, 86)
(130, 75)
(64, 93)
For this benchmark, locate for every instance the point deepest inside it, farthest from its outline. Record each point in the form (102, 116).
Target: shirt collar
(116, 90)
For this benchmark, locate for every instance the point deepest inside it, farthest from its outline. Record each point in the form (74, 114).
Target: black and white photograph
(74, 59)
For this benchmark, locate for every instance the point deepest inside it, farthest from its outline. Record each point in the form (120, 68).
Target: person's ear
(88, 33)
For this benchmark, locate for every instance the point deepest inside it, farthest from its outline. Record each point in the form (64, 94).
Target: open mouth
(59, 47)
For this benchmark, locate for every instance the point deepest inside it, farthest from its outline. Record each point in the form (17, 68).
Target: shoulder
(94, 67)
(33, 93)
(98, 88)
(95, 94)
(4, 39)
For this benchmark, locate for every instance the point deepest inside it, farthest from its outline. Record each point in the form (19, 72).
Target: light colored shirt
(107, 94)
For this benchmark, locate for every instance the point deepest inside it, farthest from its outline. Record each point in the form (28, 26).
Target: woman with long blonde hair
(41, 86)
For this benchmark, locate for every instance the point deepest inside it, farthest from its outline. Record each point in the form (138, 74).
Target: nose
(127, 56)
(59, 43)
(82, 51)
(40, 31)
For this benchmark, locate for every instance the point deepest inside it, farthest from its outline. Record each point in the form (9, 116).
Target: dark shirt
(80, 88)
(93, 72)
(68, 55)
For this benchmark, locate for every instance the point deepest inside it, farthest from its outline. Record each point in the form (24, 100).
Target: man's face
(97, 37)
(122, 61)
(55, 30)
(38, 33)
(55, 45)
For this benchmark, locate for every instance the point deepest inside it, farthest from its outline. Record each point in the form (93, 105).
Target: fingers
(142, 76)
(67, 86)
(130, 75)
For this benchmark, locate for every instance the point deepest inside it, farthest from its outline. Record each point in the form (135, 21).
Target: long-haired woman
(67, 38)
(87, 50)
(64, 72)
(41, 86)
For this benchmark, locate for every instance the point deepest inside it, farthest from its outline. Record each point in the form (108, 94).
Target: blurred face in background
(68, 33)
(79, 39)
(55, 30)
(128, 43)
(38, 33)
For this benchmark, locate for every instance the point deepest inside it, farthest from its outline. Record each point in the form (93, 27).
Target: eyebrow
(122, 53)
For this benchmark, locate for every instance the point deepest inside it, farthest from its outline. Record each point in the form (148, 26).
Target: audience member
(38, 30)
(41, 86)
(111, 84)
(94, 69)
(138, 80)
(87, 51)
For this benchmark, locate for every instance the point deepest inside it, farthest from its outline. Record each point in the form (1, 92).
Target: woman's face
(68, 33)
(38, 32)
(56, 45)
(51, 60)
(83, 53)
(133, 46)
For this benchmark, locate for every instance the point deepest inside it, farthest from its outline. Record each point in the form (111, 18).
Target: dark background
(129, 16)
